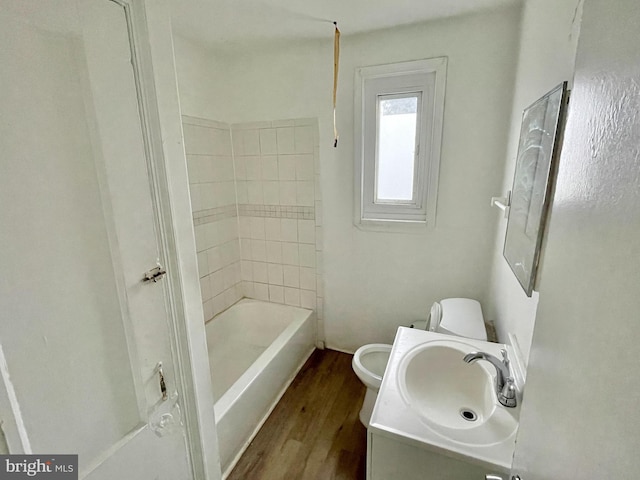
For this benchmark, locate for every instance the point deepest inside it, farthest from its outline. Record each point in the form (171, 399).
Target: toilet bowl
(461, 317)
(369, 363)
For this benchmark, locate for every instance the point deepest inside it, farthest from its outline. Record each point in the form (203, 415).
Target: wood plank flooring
(314, 432)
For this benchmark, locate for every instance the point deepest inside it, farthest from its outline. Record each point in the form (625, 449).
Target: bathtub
(255, 350)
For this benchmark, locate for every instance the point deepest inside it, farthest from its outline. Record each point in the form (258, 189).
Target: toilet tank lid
(463, 316)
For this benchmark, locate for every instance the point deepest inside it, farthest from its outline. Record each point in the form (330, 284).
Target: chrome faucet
(505, 388)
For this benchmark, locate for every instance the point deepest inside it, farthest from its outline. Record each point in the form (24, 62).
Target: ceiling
(246, 22)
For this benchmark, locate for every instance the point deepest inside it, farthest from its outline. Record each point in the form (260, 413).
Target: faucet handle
(507, 396)
(505, 357)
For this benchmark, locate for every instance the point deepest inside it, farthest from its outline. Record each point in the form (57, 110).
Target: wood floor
(314, 432)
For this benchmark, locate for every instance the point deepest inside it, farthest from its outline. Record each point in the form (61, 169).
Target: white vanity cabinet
(437, 417)
(392, 458)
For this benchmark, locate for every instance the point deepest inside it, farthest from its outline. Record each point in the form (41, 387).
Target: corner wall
(549, 37)
(377, 281)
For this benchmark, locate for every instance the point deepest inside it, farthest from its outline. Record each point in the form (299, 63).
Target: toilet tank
(462, 317)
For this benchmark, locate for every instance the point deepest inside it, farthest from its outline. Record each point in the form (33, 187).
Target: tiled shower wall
(214, 208)
(256, 212)
(277, 173)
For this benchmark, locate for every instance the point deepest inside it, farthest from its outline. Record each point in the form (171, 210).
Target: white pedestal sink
(431, 401)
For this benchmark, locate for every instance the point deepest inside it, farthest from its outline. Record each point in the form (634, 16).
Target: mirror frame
(532, 191)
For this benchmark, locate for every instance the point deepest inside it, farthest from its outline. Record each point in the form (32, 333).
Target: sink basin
(454, 399)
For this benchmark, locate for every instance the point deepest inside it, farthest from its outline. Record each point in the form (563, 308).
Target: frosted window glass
(396, 149)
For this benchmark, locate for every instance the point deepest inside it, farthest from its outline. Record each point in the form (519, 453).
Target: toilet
(461, 317)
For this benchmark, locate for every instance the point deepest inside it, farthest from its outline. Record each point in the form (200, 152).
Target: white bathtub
(255, 350)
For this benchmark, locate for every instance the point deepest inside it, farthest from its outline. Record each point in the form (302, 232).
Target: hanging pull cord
(336, 62)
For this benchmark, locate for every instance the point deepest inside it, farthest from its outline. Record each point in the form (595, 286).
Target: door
(87, 356)
(579, 416)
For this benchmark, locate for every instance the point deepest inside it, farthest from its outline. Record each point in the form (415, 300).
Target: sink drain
(468, 414)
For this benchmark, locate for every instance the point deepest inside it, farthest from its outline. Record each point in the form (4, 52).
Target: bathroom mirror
(538, 149)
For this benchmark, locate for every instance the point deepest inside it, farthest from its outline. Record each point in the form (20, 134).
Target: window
(399, 110)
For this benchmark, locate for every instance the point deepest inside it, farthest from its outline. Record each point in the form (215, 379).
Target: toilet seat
(369, 363)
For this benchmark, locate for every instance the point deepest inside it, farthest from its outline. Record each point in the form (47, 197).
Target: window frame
(428, 77)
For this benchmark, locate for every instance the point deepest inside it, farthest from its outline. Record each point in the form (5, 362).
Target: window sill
(394, 226)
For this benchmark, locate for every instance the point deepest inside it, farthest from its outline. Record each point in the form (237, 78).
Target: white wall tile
(200, 140)
(304, 139)
(306, 231)
(244, 227)
(238, 142)
(274, 252)
(247, 270)
(285, 139)
(222, 140)
(268, 143)
(248, 289)
(307, 255)
(304, 194)
(276, 294)
(289, 230)
(257, 228)
(271, 192)
(304, 167)
(227, 276)
(240, 167)
(226, 254)
(286, 167)
(272, 229)
(260, 273)
(291, 276)
(259, 250)
(251, 142)
(203, 264)
(214, 259)
(242, 192)
(275, 272)
(307, 278)
(219, 169)
(245, 249)
(308, 299)
(219, 304)
(283, 123)
(269, 167)
(288, 193)
(205, 288)
(217, 282)
(292, 296)
(253, 168)
(227, 193)
(230, 297)
(254, 192)
(290, 253)
(261, 291)
(207, 308)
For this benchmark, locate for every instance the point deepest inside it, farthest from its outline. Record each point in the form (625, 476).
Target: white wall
(550, 30)
(376, 281)
(579, 417)
(197, 74)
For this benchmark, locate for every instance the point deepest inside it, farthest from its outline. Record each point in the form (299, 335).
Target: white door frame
(153, 60)
(153, 63)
